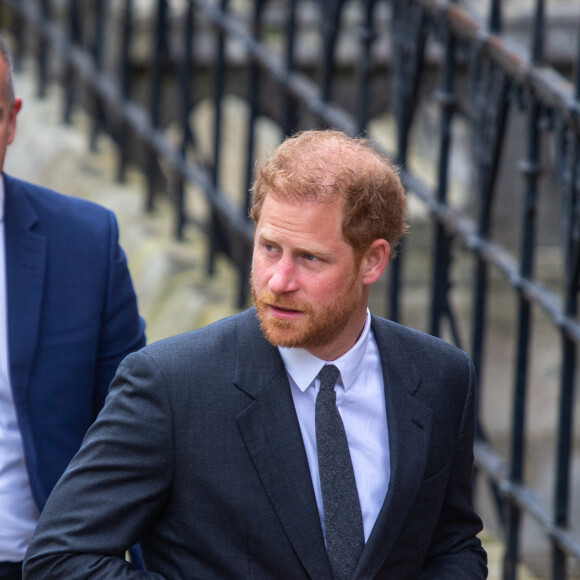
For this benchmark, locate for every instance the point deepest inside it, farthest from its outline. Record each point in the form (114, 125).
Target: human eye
(268, 247)
(310, 258)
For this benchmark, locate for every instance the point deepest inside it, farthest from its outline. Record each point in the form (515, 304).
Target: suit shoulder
(50, 204)
(207, 351)
(417, 345)
(212, 339)
(439, 374)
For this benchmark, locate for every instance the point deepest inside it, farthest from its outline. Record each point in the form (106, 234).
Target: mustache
(271, 299)
(268, 298)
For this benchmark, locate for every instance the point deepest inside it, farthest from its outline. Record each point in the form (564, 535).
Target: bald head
(8, 85)
(10, 105)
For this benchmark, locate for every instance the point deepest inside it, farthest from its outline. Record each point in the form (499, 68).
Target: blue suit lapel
(409, 424)
(271, 432)
(25, 269)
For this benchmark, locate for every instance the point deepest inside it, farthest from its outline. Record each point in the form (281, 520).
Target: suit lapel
(25, 268)
(409, 424)
(271, 432)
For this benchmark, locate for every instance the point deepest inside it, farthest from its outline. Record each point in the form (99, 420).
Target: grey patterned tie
(342, 513)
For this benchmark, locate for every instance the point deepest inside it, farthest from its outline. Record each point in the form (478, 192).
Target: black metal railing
(482, 113)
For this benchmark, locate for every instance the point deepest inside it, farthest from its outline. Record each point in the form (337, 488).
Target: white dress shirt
(360, 399)
(18, 511)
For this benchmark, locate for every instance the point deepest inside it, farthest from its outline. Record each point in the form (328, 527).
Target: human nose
(283, 278)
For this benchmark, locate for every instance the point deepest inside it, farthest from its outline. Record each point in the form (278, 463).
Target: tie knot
(328, 376)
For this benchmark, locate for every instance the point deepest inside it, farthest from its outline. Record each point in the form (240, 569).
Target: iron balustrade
(332, 63)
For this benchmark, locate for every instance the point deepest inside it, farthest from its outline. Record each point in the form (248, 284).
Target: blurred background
(159, 109)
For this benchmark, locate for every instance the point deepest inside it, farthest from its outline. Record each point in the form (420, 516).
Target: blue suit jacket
(198, 455)
(72, 317)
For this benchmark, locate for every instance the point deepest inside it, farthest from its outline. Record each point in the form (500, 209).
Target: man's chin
(276, 336)
(282, 333)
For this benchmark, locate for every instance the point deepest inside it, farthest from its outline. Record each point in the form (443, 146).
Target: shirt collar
(303, 366)
(1, 197)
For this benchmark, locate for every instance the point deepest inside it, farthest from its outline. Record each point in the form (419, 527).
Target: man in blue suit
(68, 315)
(302, 439)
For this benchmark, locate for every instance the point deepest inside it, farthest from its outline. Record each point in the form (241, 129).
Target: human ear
(12, 113)
(374, 261)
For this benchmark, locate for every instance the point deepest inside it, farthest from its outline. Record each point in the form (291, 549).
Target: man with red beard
(303, 438)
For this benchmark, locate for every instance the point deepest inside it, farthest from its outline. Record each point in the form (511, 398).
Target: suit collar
(409, 424)
(25, 270)
(1, 198)
(271, 432)
(17, 205)
(257, 362)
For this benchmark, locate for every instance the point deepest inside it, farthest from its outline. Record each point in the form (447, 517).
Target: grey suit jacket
(198, 456)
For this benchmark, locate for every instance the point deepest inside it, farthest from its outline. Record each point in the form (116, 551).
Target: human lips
(284, 312)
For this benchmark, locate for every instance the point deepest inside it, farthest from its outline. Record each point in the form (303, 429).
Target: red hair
(326, 165)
